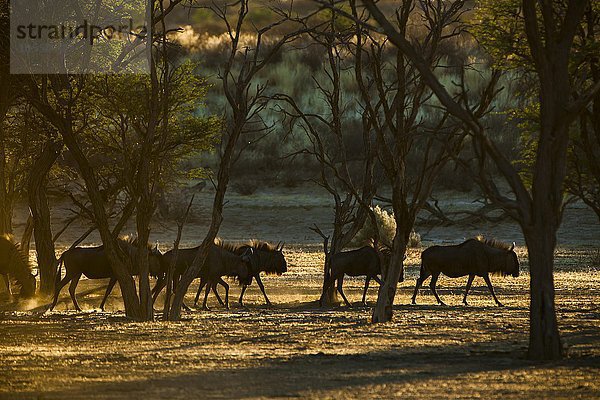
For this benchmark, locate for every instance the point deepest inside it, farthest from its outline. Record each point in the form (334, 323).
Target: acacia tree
(550, 37)
(583, 170)
(29, 150)
(59, 105)
(399, 104)
(64, 102)
(501, 31)
(328, 136)
(245, 101)
(7, 97)
(18, 146)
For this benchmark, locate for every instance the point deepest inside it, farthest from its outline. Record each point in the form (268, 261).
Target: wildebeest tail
(423, 270)
(58, 271)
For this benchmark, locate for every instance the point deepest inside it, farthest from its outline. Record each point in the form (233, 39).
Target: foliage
(499, 28)
(246, 187)
(120, 104)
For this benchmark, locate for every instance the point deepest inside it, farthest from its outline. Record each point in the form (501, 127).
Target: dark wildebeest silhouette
(14, 265)
(94, 264)
(265, 258)
(475, 257)
(220, 262)
(360, 262)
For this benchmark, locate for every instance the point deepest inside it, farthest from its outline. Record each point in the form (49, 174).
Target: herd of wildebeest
(245, 263)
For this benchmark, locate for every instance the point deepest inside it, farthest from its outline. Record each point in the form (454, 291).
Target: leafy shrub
(414, 240)
(246, 187)
(595, 258)
(387, 230)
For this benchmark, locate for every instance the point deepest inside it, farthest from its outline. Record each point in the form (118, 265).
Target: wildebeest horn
(512, 247)
(281, 248)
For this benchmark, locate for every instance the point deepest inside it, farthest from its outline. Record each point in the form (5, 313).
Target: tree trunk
(544, 338)
(26, 237)
(143, 229)
(540, 234)
(38, 204)
(6, 99)
(6, 203)
(126, 282)
(6, 211)
(217, 217)
(193, 270)
(383, 310)
(330, 296)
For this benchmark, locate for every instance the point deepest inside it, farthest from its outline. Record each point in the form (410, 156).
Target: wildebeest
(220, 262)
(475, 257)
(94, 264)
(266, 258)
(360, 262)
(14, 265)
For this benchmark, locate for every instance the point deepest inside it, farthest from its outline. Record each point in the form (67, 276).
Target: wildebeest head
(512, 262)
(27, 283)
(155, 261)
(268, 258)
(242, 270)
(279, 261)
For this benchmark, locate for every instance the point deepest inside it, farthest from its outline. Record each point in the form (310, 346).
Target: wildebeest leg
(262, 288)
(160, 285)
(109, 289)
(340, 284)
(226, 286)
(434, 279)
(486, 277)
(206, 292)
(7, 282)
(57, 290)
(364, 299)
(244, 287)
(200, 287)
(72, 288)
(422, 277)
(175, 283)
(469, 282)
(216, 292)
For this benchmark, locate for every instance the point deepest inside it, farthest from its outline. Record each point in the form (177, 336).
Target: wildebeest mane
(231, 247)
(131, 240)
(129, 245)
(495, 243)
(261, 245)
(270, 267)
(382, 247)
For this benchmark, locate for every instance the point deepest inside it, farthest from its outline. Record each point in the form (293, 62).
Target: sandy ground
(296, 349)
(285, 214)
